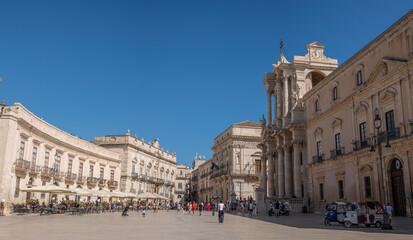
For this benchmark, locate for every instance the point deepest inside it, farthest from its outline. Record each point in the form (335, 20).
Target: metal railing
(58, 175)
(112, 183)
(81, 179)
(92, 180)
(46, 171)
(336, 152)
(318, 158)
(34, 168)
(101, 181)
(361, 144)
(22, 164)
(70, 177)
(392, 134)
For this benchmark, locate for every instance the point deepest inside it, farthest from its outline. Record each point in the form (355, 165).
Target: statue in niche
(263, 127)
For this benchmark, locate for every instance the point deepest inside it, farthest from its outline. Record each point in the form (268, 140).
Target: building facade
(145, 166)
(238, 158)
(35, 153)
(182, 183)
(323, 143)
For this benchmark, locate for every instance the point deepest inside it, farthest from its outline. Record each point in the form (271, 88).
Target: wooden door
(399, 197)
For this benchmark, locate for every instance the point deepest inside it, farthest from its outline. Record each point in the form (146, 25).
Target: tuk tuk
(368, 213)
(335, 212)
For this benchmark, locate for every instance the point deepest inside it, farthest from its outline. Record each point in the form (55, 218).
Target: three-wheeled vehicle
(336, 212)
(368, 213)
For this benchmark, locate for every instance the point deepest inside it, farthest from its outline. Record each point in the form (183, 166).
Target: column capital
(270, 92)
(298, 143)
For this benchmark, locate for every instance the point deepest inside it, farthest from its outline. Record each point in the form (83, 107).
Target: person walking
(389, 210)
(200, 208)
(193, 208)
(221, 207)
(213, 208)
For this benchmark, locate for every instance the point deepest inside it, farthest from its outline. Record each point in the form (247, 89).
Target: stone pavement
(171, 225)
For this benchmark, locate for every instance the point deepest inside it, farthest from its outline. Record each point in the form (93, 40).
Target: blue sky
(180, 71)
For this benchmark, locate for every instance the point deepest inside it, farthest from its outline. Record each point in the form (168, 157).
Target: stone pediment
(248, 124)
(383, 68)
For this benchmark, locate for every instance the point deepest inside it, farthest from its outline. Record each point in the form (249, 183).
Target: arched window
(359, 78)
(316, 105)
(335, 93)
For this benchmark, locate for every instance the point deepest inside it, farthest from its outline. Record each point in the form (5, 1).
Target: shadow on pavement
(401, 225)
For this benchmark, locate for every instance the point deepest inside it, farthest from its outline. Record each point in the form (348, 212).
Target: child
(143, 213)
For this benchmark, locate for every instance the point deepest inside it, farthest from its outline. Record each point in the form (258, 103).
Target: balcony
(358, 145)
(179, 191)
(70, 177)
(392, 134)
(101, 182)
(34, 169)
(134, 176)
(318, 158)
(336, 152)
(112, 184)
(46, 172)
(92, 181)
(22, 165)
(58, 176)
(219, 173)
(81, 180)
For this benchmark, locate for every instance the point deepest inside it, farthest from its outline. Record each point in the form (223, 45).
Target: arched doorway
(397, 186)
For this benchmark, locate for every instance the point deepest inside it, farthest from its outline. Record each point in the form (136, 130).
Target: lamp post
(377, 124)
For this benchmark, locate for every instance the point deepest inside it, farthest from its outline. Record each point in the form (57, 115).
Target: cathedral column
(287, 169)
(269, 113)
(297, 169)
(280, 172)
(286, 95)
(275, 108)
(270, 179)
(278, 103)
(264, 172)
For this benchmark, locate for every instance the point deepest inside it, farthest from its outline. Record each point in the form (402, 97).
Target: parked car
(335, 212)
(368, 213)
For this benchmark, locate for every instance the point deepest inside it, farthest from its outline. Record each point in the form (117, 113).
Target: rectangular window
(319, 151)
(140, 171)
(180, 173)
(257, 166)
(317, 105)
(91, 171)
(133, 168)
(179, 185)
(57, 163)
(335, 93)
(21, 151)
(340, 189)
(321, 186)
(337, 138)
(69, 166)
(80, 170)
(46, 159)
(112, 175)
(367, 187)
(359, 78)
(390, 128)
(102, 172)
(34, 156)
(362, 128)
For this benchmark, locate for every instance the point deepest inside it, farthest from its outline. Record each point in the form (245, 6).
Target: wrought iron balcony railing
(318, 158)
(336, 152)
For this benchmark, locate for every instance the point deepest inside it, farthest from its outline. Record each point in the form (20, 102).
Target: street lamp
(380, 137)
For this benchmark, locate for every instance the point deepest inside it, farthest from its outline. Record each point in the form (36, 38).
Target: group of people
(279, 208)
(213, 207)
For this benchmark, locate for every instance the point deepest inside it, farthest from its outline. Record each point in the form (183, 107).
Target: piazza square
(310, 138)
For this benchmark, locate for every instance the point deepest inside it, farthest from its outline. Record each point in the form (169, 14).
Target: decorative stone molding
(318, 132)
(337, 123)
(389, 94)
